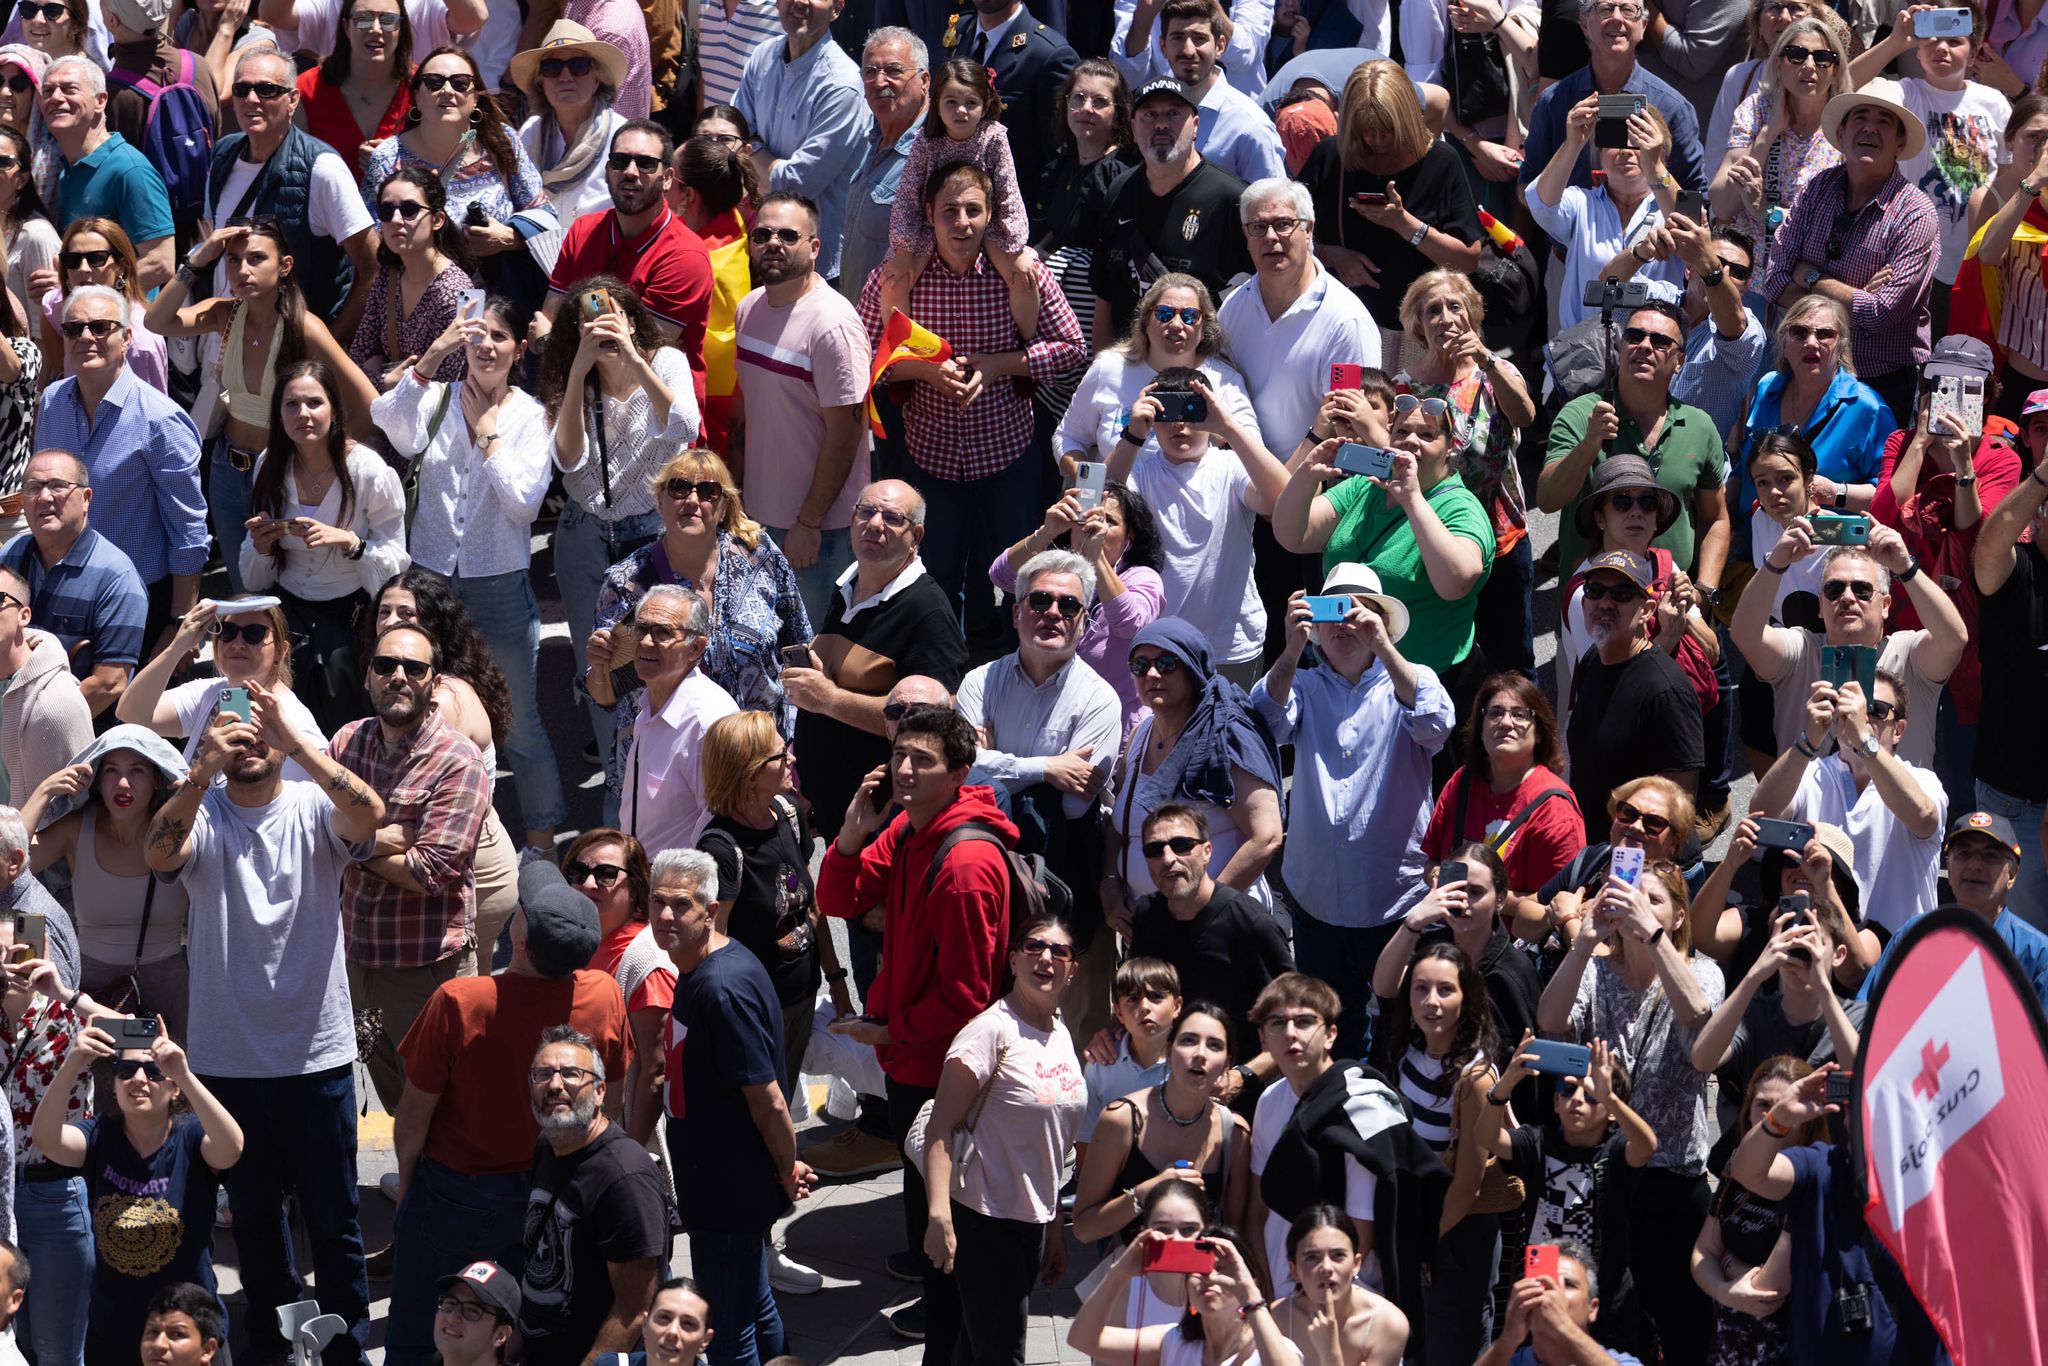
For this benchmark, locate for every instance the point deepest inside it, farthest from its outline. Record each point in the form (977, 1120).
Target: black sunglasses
(1041, 601)
(18, 83)
(262, 90)
(1166, 666)
(255, 632)
(621, 161)
(461, 82)
(1880, 711)
(1834, 588)
(125, 1068)
(1621, 501)
(1739, 272)
(576, 871)
(1596, 591)
(72, 260)
(1638, 336)
(1629, 815)
(552, 67)
(1844, 221)
(408, 209)
(1032, 947)
(28, 9)
(8, 161)
(761, 237)
(707, 490)
(1180, 844)
(892, 712)
(386, 665)
(101, 328)
(1800, 56)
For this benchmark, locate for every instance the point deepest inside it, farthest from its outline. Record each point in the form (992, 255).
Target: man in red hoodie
(943, 928)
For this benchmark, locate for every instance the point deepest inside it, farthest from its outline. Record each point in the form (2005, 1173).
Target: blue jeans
(1507, 612)
(583, 553)
(299, 1138)
(967, 523)
(56, 1233)
(448, 1220)
(509, 619)
(818, 583)
(2029, 896)
(733, 1269)
(227, 496)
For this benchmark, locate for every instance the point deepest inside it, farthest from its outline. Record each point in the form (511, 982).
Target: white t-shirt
(1802, 577)
(1965, 148)
(264, 937)
(1033, 1112)
(1102, 402)
(319, 23)
(335, 205)
(1269, 1119)
(1205, 547)
(1895, 869)
(196, 700)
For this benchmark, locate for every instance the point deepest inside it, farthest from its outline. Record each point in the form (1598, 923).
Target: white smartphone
(1089, 479)
(1626, 863)
(470, 304)
(1963, 397)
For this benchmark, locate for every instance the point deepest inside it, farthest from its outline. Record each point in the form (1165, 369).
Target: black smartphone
(1182, 406)
(1610, 128)
(795, 656)
(1690, 205)
(1452, 873)
(135, 1033)
(1841, 1088)
(879, 800)
(1800, 905)
(1775, 834)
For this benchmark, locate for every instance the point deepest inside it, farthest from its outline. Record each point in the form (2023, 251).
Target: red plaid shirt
(1888, 326)
(972, 311)
(435, 781)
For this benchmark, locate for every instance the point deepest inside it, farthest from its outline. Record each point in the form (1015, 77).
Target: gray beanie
(561, 924)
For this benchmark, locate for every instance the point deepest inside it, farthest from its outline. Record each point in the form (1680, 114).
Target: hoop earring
(412, 117)
(476, 118)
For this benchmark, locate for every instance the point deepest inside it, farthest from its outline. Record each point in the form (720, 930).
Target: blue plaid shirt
(143, 452)
(92, 594)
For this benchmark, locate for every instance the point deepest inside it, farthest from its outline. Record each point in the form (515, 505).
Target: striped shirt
(1429, 1097)
(725, 40)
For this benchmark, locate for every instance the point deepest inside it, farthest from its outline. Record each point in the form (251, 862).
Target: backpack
(178, 139)
(1034, 887)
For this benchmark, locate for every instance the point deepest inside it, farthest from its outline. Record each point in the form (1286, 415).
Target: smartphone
(1690, 205)
(1960, 396)
(1841, 528)
(597, 303)
(1328, 607)
(470, 304)
(1774, 834)
(1558, 1059)
(795, 656)
(1090, 476)
(1452, 872)
(1800, 906)
(1346, 376)
(134, 1033)
(1356, 458)
(1942, 23)
(1841, 1088)
(1370, 198)
(235, 700)
(884, 793)
(1626, 863)
(1192, 1256)
(1856, 664)
(474, 216)
(1182, 406)
(31, 932)
(1610, 128)
(1540, 1260)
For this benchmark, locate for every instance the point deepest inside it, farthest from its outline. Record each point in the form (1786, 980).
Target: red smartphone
(1193, 1256)
(1541, 1260)
(1344, 376)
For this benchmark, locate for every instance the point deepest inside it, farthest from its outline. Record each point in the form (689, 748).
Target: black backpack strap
(1507, 832)
(961, 834)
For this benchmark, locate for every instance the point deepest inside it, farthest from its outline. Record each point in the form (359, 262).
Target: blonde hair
(1456, 281)
(1379, 98)
(1805, 306)
(1683, 814)
(1839, 80)
(696, 463)
(1137, 343)
(734, 749)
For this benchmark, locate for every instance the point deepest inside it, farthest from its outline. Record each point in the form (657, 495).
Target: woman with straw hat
(571, 82)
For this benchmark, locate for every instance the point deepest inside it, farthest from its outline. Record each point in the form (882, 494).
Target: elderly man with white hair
(105, 176)
(662, 800)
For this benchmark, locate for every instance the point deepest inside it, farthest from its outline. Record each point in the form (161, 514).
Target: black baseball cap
(1995, 828)
(1165, 85)
(492, 1284)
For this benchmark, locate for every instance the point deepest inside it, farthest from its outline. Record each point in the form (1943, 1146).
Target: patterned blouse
(416, 331)
(756, 610)
(18, 414)
(1791, 162)
(1486, 460)
(635, 447)
(36, 1045)
(477, 182)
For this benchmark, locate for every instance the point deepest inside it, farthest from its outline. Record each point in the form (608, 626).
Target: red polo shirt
(667, 265)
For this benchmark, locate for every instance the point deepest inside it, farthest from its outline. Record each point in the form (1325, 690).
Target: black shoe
(908, 1266)
(908, 1322)
(378, 1264)
(590, 754)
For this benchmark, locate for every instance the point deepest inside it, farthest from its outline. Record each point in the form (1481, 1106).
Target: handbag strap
(973, 1116)
(148, 903)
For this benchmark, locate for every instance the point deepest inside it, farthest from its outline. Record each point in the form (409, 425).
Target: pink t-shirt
(1033, 1113)
(793, 363)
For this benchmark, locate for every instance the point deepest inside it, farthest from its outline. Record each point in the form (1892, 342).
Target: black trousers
(995, 1264)
(941, 1302)
(1665, 1216)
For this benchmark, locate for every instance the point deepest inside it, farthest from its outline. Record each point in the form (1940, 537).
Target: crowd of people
(1055, 489)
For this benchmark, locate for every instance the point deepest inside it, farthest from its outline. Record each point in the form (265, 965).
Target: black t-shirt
(1764, 1033)
(1433, 189)
(603, 1203)
(2013, 628)
(1226, 954)
(1560, 42)
(1067, 202)
(727, 1035)
(1194, 228)
(1750, 1224)
(775, 894)
(915, 632)
(152, 1219)
(1630, 720)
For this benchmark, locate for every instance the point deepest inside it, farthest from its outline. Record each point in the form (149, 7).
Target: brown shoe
(853, 1152)
(1709, 824)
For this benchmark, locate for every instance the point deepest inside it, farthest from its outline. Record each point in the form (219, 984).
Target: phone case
(1558, 1059)
(1541, 1260)
(1355, 458)
(1626, 862)
(1322, 608)
(1089, 479)
(1961, 398)
(1185, 1255)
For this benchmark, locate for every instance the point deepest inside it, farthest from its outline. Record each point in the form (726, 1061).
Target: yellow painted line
(374, 1130)
(817, 1091)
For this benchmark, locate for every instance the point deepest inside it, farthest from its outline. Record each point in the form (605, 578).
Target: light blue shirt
(1361, 796)
(1587, 224)
(1238, 136)
(1028, 723)
(1115, 1080)
(812, 115)
(868, 204)
(143, 452)
(1717, 371)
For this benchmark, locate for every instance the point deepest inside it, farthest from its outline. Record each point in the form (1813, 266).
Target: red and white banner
(1952, 1110)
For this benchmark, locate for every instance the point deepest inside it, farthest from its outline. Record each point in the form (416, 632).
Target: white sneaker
(388, 1184)
(792, 1278)
(223, 1216)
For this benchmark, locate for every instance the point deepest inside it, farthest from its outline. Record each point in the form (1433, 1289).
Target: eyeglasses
(789, 237)
(7, 597)
(384, 666)
(1777, 8)
(470, 1310)
(632, 161)
(407, 209)
(1833, 589)
(551, 67)
(723, 139)
(1166, 666)
(577, 872)
(1820, 56)
(1612, 10)
(125, 1068)
(891, 518)
(1596, 591)
(1165, 313)
(893, 712)
(1034, 946)
(707, 490)
(72, 260)
(1880, 711)
(540, 1074)
(1081, 99)
(30, 10)
(1737, 269)
(1405, 404)
(1519, 716)
(370, 23)
(660, 632)
(255, 632)
(1304, 1022)
(1042, 602)
(1642, 336)
(1278, 227)
(1801, 333)
(893, 71)
(18, 83)
(262, 90)
(8, 161)
(101, 328)
(1629, 815)
(1180, 844)
(60, 489)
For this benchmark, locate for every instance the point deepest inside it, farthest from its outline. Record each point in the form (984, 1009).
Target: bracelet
(1765, 1124)
(1910, 572)
(1247, 1310)
(2036, 477)
(1408, 927)
(1128, 435)
(1804, 748)
(1137, 1205)
(1637, 252)
(1421, 231)
(807, 525)
(423, 379)
(1651, 942)
(76, 996)
(1770, 568)
(1312, 439)
(356, 552)
(836, 975)
(188, 277)
(1492, 1099)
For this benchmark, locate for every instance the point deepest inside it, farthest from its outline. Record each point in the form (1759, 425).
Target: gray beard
(576, 1121)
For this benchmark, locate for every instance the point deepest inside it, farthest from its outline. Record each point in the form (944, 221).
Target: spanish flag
(902, 339)
(1503, 236)
(1977, 300)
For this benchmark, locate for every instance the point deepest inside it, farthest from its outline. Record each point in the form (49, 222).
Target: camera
(1610, 294)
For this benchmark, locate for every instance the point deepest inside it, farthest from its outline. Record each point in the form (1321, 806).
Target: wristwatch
(1964, 481)
(1907, 574)
(1421, 231)
(1713, 278)
(1870, 746)
(1709, 593)
(1245, 1074)
(1810, 278)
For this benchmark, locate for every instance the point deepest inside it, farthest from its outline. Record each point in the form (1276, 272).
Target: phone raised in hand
(1540, 1260)
(1181, 405)
(1610, 127)
(235, 700)
(1776, 834)
(1452, 872)
(1840, 528)
(1331, 607)
(1188, 1256)
(1559, 1059)
(469, 305)
(135, 1033)
(1840, 1089)
(1798, 905)
(1370, 198)
(1840, 664)
(1354, 457)
(1690, 205)
(1626, 863)
(1090, 478)
(1943, 23)
(1346, 376)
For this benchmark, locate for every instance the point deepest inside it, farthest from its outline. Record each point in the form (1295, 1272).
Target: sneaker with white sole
(792, 1278)
(853, 1152)
(908, 1321)
(387, 1185)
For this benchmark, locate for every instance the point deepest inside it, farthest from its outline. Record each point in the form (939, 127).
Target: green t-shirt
(1375, 532)
(1686, 459)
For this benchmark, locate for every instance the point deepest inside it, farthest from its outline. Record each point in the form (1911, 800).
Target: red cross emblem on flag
(1932, 1060)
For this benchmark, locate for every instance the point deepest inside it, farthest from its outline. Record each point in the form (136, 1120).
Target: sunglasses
(461, 82)
(1642, 336)
(1034, 946)
(1800, 56)
(1431, 407)
(18, 83)
(1880, 711)
(551, 67)
(101, 328)
(1833, 589)
(1801, 333)
(1180, 844)
(1596, 591)
(125, 1068)
(262, 90)
(7, 597)
(707, 490)
(577, 872)
(72, 260)
(1166, 666)
(1043, 602)
(8, 161)
(1166, 313)
(1622, 502)
(386, 665)
(660, 632)
(894, 711)
(407, 209)
(1629, 815)
(1739, 271)
(255, 632)
(789, 237)
(370, 23)
(622, 161)
(1844, 221)
(28, 9)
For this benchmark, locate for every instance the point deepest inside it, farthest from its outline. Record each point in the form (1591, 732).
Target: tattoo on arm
(343, 783)
(170, 835)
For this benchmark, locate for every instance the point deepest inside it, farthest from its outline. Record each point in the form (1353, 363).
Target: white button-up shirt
(1286, 360)
(662, 804)
(1028, 723)
(475, 516)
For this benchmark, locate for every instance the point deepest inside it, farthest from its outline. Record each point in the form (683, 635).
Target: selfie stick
(1610, 295)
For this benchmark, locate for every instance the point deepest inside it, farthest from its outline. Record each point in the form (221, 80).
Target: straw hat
(567, 39)
(1881, 94)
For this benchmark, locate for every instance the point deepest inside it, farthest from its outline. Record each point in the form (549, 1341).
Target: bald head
(888, 527)
(909, 692)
